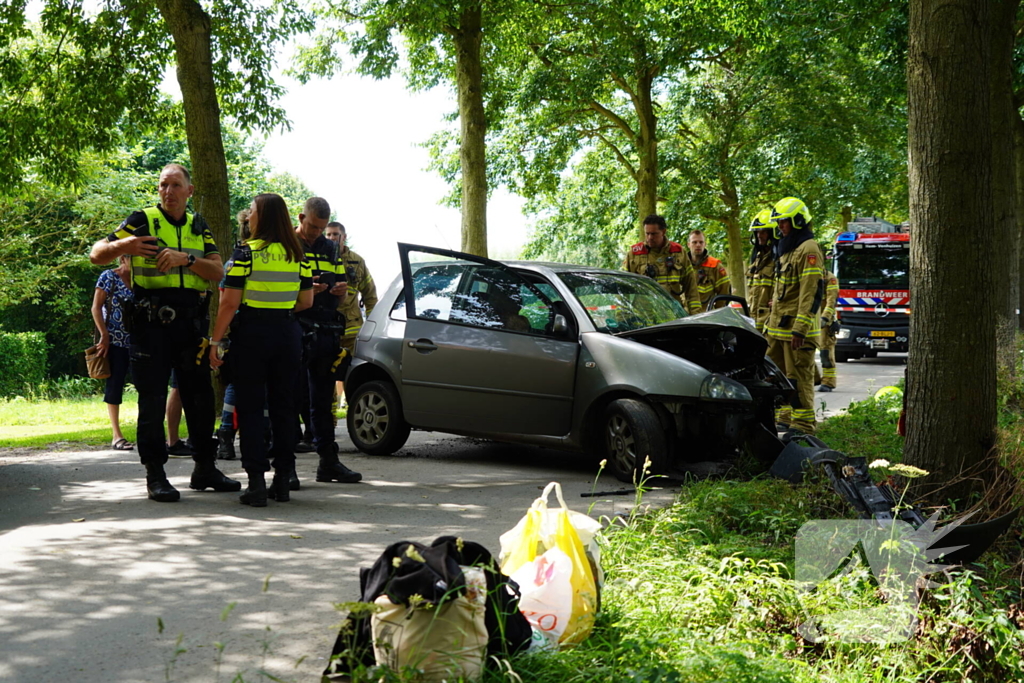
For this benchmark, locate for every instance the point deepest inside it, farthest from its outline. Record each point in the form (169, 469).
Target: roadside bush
(22, 361)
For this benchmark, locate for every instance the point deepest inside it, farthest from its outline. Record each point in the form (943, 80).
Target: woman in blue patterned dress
(112, 291)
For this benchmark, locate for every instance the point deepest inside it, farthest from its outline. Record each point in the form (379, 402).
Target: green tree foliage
(46, 281)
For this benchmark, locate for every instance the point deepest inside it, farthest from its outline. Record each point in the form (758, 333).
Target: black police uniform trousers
(322, 350)
(155, 349)
(265, 357)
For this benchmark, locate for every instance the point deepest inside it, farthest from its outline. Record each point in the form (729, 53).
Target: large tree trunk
(647, 150)
(951, 384)
(1018, 153)
(1004, 260)
(190, 28)
(734, 235)
(473, 120)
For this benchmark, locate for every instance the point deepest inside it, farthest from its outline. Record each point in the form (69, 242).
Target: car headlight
(722, 388)
(844, 333)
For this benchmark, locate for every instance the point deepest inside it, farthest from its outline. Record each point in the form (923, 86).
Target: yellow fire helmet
(792, 208)
(762, 221)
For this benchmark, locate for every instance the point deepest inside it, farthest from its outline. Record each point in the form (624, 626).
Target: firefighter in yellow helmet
(665, 262)
(829, 330)
(761, 271)
(794, 324)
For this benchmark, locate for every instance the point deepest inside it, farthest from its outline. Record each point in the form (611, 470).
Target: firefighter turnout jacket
(760, 283)
(670, 267)
(712, 279)
(799, 294)
(360, 288)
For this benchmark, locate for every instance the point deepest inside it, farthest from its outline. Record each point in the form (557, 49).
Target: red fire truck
(872, 262)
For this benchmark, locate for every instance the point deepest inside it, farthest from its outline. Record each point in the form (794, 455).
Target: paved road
(88, 565)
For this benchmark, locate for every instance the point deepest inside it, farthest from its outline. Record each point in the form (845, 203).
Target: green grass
(37, 424)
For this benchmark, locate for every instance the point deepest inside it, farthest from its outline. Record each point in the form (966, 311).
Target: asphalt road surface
(89, 567)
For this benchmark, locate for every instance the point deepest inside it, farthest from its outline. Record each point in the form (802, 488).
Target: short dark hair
(317, 207)
(655, 219)
(336, 224)
(178, 167)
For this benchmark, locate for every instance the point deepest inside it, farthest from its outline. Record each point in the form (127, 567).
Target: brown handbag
(98, 366)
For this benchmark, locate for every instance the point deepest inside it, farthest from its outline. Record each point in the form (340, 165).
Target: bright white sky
(356, 142)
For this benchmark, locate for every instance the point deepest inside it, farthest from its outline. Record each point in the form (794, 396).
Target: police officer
(267, 281)
(665, 262)
(829, 330)
(794, 324)
(712, 278)
(761, 270)
(362, 293)
(322, 327)
(174, 259)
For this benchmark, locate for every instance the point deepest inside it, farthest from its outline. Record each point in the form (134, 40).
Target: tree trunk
(473, 120)
(1004, 260)
(845, 217)
(734, 234)
(647, 150)
(951, 382)
(1018, 152)
(190, 28)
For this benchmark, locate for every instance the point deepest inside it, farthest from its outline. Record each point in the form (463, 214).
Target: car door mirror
(560, 326)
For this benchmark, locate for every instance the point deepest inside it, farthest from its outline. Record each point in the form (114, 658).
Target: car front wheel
(375, 422)
(633, 434)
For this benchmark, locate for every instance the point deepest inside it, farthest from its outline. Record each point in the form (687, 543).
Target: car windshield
(622, 302)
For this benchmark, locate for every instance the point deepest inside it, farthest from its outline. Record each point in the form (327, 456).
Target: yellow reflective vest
(271, 280)
(179, 238)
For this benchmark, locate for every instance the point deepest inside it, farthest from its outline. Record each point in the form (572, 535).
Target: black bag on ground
(400, 574)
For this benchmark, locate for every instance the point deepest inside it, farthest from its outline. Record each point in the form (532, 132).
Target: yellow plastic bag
(545, 555)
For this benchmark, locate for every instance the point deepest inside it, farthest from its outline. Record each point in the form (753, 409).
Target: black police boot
(279, 489)
(207, 476)
(256, 492)
(225, 443)
(824, 387)
(331, 469)
(293, 481)
(158, 487)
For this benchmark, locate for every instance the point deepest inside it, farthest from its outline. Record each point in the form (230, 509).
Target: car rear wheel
(375, 422)
(632, 434)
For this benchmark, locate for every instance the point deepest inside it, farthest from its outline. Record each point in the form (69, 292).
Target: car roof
(562, 267)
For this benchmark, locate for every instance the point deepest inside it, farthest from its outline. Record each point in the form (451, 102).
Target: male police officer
(665, 262)
(761, 271)
(322, 327)
(712, 278)
(794, 325)
(174, 260)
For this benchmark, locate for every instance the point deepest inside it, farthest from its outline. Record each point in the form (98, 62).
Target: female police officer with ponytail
(267, 281)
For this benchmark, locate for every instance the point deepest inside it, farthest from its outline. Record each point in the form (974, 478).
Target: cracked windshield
(617, 303)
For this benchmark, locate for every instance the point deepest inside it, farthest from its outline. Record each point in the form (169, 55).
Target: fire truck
(872, 263)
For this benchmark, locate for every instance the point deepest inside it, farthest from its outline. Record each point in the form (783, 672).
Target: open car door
(484, 350)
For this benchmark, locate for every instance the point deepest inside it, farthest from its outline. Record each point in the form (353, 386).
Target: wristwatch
(191, 260)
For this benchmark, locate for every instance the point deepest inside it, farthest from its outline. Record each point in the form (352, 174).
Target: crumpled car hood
(721, 340)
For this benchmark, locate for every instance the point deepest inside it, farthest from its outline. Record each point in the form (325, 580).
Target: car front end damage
(733, 412)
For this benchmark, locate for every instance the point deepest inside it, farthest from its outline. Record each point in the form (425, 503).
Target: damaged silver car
(598, 361)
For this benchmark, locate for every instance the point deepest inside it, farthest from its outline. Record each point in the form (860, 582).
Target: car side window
(436, 287)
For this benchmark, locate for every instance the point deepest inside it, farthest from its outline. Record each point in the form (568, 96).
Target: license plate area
(883, 333)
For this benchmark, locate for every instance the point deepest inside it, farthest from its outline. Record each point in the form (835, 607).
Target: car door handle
(423, 345)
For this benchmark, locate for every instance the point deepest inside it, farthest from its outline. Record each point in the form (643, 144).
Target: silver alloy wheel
(371, 417)
(621, 444)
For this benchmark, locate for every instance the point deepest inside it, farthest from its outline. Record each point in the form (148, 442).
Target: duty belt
(151, 311)
(251, 313)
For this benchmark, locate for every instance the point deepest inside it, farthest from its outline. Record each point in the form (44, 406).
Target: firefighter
(794, 324)
(762, 267)
(712, 278)
(362, 294)
(174, 261)
(268, 279)
(665, 262)
(829, 330)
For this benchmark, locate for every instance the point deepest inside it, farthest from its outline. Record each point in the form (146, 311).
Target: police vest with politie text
(670, 267)
(271, 280)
